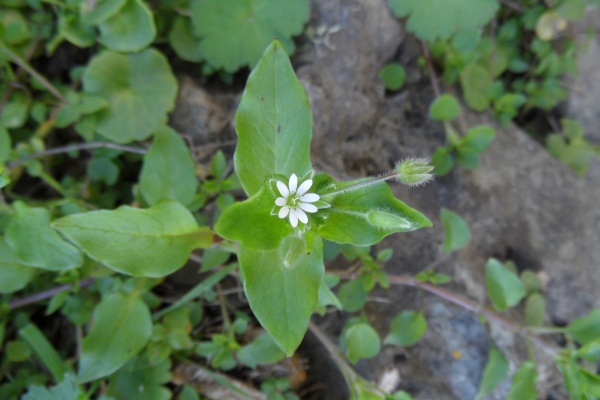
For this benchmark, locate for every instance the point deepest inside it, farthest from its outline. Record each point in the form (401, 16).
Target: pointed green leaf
(523, 384)
(36, 244)
(586, 329)
(456, 231)
(475, 81)
(273, 123)
(407, 328)
(152, 242)
(14, 273)
(139, 88)
(168, 171)
(504, 287)
(131, 29)
(364, 216)
(282, 296)
(495, 371)
(535, 310)
(362, 341)
(327, 297)
(122, 327)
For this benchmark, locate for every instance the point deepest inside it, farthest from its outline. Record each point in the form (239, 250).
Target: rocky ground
(521, 203)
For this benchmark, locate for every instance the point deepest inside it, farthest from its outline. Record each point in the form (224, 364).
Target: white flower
(295, 201)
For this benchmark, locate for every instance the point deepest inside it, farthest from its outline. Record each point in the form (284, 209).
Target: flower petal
(304, 187)
(284, 211)
(283, 189)
(309, 197)
(308, 208)
(301, 215)
(293, 183)
(281, 201)
(293, 217)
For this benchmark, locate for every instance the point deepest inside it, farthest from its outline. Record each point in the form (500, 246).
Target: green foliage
(122, 327)
(361, 341)
(444, 108)
(466, 150)
(503, 286)
(393, 76)
(273, 123)
(523, 383)
(261, 351)
(571, 147)
(168, 157)
(586, 329)
(139, 98)
(66, 389)
(153, 242)
(406, 329)
(495, 371)
(456, 231)
(220, 24)
(439, 19)
(141, 379)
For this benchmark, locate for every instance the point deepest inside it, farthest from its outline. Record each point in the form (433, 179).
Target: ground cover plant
(101, 203)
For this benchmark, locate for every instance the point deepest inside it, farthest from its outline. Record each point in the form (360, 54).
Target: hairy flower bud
(414, 171)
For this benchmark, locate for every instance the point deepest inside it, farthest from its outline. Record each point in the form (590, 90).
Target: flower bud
(414, 171)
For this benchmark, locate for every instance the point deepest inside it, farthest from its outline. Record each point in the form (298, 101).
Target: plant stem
(32, 71)
(46, 294)
(477, 309)
(432, 75)
(364, 182)
(77, 147)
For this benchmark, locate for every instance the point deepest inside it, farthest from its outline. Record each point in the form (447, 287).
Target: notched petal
(304, 187)
(281, 201)
(284, 211)
(308, 207)
(309, 197)
(293, 183)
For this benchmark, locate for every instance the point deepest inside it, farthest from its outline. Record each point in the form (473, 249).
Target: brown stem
(46, 294)
(430, 67)
(477, 309)
(76, 147)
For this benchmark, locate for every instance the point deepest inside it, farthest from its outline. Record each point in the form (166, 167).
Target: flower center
(293, 200)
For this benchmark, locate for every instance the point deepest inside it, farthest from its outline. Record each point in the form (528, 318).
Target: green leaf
(535, 310)
(71, 28)
(262, 351)
(17, 351)
(475, 81)
(406, 329)
(152, 242)
(439, 19)
(94, 13)
(573, 10)
(442, 161)
(131, 29)
(365, 215)
(139, 88)
(586, 329)
(495, 371)
(523, 384)
(15, 111)
(14, 273)
(352, 294)
(183, 41)
(251, 222)
(15, 29)
(221, 23)
(362, 341)
(477, 139)
(393, 76)
(142, 379)
(444, 108)
(36, 244)
(282, 297)
(273, 121)
(456, 231)
(590, 351)
(168, 171)
(44, 351)
(327, 297)
(103, 169)
(122, 327)
(504, 287)
(67, 389)
(5, 144)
